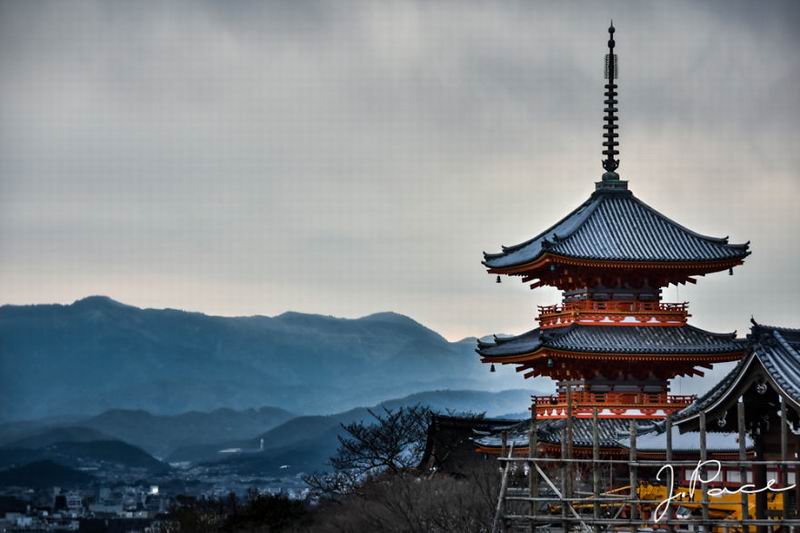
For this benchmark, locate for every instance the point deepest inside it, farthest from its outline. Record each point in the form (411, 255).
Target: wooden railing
(613, 312)
(614, 306)
(649, 405)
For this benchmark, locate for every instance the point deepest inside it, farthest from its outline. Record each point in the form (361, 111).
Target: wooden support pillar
(742, 457)
(533, 474)
(564, 471)
(668, 457)
(501, 505)
(760, 478)
(499, 521)
(634, 480)
(570, 466)
(784, 477)
(702, 473)
(595, 467)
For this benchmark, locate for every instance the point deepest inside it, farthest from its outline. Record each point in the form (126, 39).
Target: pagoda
(613, 344)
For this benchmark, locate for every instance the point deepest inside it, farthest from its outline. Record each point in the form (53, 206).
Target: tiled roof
(716, 392)
(609, 430)
(618, 226)
(612, 433)
(615, 339)
(777, 350)
(656, 441)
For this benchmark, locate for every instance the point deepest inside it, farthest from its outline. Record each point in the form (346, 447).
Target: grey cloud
(348, 157)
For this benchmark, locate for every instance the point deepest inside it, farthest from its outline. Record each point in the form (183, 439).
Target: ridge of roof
(721, 240)
(625, 244)
(759, 326)
(731, 335)
(588, 205)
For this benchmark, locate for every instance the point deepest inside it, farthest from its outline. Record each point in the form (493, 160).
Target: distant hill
(161, 435)
(307, 442)
(47, 436)
(11, 431)
(462, 401)
(158, 434)
(98, 354)
(114, 452)
(303, 455)
(81, 454)
(77, 450)
(43, 474)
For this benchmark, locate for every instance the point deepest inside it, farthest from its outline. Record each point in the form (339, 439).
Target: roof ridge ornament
(611, 179)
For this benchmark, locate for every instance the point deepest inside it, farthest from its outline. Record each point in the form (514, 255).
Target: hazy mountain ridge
(157, 434)
(98, 354)
(308, 441)
(46, 436)
(162, 434)
(303, 442)
(77, 453)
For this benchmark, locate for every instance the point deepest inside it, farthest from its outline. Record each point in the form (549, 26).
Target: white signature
(712, 474)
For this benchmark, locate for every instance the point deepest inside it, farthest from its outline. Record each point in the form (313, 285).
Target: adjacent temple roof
(614, 225)
(638, 340)
(774, 357)
(611, 433)
(656, 441)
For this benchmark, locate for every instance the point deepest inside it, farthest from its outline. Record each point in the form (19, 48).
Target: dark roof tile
(615, 339)
(618, 226)
(777, 350)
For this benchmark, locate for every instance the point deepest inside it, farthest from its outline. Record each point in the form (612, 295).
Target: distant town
(129, 499)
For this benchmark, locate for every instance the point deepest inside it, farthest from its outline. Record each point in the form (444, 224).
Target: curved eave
(541, 353)
(548, 258)
(668, 241)
(757, 365)
(579, 215)
(709, 404)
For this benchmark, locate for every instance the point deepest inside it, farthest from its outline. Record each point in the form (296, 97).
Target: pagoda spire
(611, 163)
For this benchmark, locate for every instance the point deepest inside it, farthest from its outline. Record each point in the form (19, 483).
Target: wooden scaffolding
(550, 501)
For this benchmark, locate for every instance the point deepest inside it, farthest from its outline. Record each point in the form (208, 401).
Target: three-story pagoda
(612, 340)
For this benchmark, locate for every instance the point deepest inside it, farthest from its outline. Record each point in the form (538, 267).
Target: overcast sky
(344, 158)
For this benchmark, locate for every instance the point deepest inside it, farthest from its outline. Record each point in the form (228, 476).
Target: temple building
(613, 341)
(764, 391)
(612, 345)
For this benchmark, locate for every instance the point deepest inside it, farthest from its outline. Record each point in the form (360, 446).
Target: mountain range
(198, 436)
(98, 354)
(98, 382)
(266, 441)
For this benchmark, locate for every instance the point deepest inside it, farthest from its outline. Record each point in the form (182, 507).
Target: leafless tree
(391, 442)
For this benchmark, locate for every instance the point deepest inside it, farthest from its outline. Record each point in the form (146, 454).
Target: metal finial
(611, 163)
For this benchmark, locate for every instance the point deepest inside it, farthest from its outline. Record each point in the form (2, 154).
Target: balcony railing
(634, 313)
(612, 306)
(609, 404)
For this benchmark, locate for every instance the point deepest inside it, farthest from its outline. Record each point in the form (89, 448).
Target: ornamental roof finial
(611, 163)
